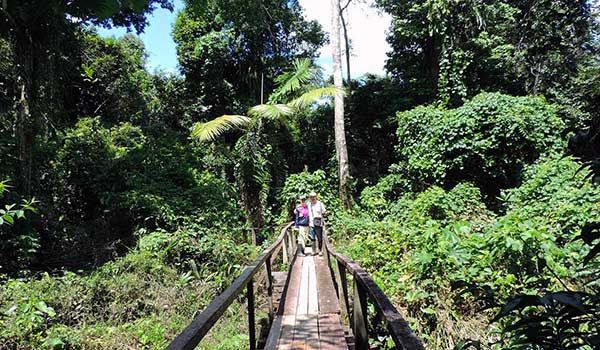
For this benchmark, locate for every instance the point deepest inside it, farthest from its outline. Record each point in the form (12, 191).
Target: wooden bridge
(309, 305)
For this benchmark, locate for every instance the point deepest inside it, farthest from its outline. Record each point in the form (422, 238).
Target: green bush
(555, 189)
(435, 240)
(105, 183)
(487, 141)
(537, 233)
(376, 199)
(462, 202)
(141, 299)
(414, 228)
(18, 241)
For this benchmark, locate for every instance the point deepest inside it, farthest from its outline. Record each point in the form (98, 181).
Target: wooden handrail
(199, 327)
(364, 287)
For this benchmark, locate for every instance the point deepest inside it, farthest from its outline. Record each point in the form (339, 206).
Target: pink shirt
(302, 211)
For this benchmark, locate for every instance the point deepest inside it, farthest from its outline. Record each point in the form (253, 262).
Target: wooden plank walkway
(304, 310)
(308, 316)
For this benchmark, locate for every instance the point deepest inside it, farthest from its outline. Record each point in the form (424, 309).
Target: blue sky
(157, 38)
(367, 29)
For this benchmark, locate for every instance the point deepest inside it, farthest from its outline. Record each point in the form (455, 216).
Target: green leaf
(310, 97)
(271, 111)
(211, 130)
(54, 343)
(9, 219)
(304, 71)
(43, 307)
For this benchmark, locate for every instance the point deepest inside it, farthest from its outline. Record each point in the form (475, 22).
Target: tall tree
(115, 82)
(33, 28)
(340, 133)
(225, 46)
(296, 90)
(449, 50)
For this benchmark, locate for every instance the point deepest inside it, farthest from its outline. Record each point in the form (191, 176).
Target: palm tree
(296, 89)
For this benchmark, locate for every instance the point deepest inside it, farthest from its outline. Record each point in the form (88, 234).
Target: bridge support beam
(270, 288)
(359, 318)
(339, 272)
(251, 320)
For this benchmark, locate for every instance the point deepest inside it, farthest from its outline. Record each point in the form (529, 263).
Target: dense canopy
(129, 198)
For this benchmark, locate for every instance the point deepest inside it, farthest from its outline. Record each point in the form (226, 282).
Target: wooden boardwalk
(304, 309)
(308, 316)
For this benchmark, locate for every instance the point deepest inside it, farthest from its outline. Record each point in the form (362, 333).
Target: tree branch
(343, 8)
(346, 42)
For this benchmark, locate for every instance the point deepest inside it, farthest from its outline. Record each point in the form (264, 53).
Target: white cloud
(367, 31)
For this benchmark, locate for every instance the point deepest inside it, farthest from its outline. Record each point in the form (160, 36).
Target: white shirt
(316, 210)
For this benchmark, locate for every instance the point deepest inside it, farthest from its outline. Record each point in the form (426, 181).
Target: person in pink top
(301, 222)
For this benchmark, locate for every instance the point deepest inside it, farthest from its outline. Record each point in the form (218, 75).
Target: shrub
(433, 241)
(537, 233)
(461, 203)
(376, 199)
(143, 298)
(487, 141)
(18, 242)
(106, 183)
(555, 189)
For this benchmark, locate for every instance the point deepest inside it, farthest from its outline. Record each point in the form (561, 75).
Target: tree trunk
(24, 140)
(340, 134)
(24, 125)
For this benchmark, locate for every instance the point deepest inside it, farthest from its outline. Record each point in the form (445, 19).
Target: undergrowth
(139, 301)
(424, 249)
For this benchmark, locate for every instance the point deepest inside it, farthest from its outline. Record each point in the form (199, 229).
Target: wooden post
(269, 288)
(285, 248)
(359, 317)
(324, 248)
(251, 321)
(294, 242)
(342, 282)
(291, 246)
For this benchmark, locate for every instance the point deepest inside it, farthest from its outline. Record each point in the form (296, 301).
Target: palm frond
(314, 95)
(210, 130)
(303, 72)
(271, 111)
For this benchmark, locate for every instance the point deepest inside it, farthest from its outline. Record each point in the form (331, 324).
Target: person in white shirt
(316, 213)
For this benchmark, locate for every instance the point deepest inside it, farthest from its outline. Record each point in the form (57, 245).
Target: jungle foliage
(446, 256)
(487, 141)
(450, 50)
(475, 168)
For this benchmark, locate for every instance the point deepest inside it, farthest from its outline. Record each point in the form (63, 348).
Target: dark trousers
(317, 236)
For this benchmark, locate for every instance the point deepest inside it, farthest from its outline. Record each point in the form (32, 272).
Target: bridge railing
(364, 290)
(199, 327)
